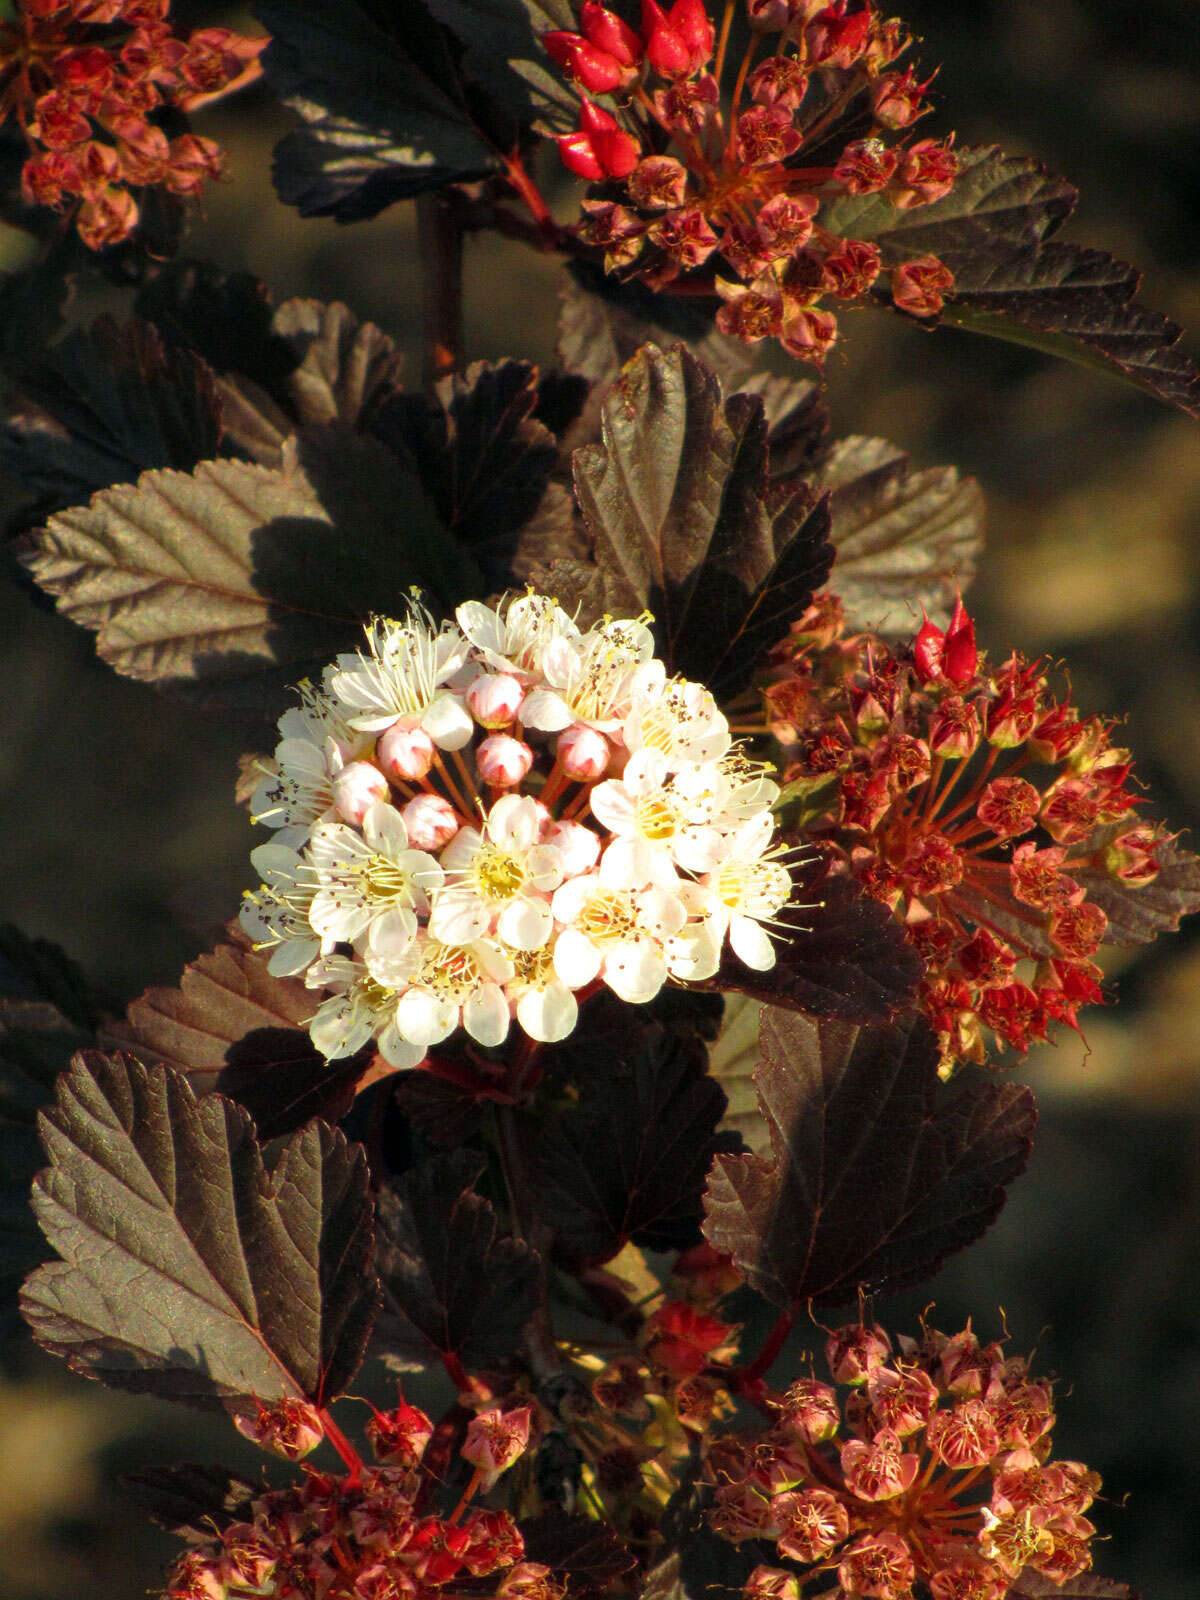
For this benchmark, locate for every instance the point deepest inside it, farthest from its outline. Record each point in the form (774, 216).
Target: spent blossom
(891, 1477)
(477, 823)
(734, 196)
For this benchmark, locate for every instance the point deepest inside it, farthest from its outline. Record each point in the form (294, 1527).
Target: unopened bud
(405, 754)
(430, 821)
(578, 847)
(605, 29)
(356, 788)
(503, 761)
(289, 1428)
(495, 1439)
(960, 658)
(583, 752)
(928, 650)
(399, 1437)
(494, 699)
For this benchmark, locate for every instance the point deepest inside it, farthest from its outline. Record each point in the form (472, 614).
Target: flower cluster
(477, 822)
(83, 79)
(973, 801)
(373, 1535)
(738, 191)
(931, 1466)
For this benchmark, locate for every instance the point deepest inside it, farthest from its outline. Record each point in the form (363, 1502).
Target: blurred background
(124, 845)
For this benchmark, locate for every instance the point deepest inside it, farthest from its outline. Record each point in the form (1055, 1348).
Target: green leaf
(504, 55)
(192, 1267)
(377, 91)
(236, 580)
(877, 1171)
(731, 1063)
(233, 1028)
(450, 1286)
(904, 540)
(1012, 280)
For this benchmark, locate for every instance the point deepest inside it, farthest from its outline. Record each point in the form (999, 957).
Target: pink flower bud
(494, 699)
(503, 761)
(578, 847)
(405, 754)
(356, 788)
(430, 821)
(495, 1439)
(290, 1428)
(584, 753)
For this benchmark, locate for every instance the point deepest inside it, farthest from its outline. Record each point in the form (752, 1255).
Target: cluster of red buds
(925, 1464)
(83, 79)
(731, 195)
(966, 796)
(375, 1533)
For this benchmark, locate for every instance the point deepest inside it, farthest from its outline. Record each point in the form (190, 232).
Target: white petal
(384, 830)
(570, 900)
(661, 913)
(546, 711)
(448, 722)
(485, 1015)
(513, 822)
(425, 1018)
(334, 1032)
(635, 971)
(548, 1014)
(525, 924)
(627, 864)
(481, 625)
(576, 958)
(751, 943)
(458, 917)
(460, 852)
(334, 920)
(292, 957)
(398, 1052)
(614, 806)
(391, 934)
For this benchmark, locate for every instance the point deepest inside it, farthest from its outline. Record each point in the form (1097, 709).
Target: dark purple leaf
(444, 1113)
(844, 955)
(629, 1161)
(583, 1554)
(1033, 1586)
(191, 1500)
(504, 55)
(450, 1286)
(877, 1171)
(225, 318)
(232, 1027)
(192, 1267)
(1138, 916)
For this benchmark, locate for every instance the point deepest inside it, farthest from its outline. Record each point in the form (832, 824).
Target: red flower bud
(678, 44)
(928, 652)
(599, 149)
(590, 66)
(691, 22)
(960, 657)
(608, 32)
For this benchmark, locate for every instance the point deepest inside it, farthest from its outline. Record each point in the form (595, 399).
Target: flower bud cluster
(479, 821)
(729, 193)
(927, 1463)
(975, 803)
(372, 1535)
(82, 78)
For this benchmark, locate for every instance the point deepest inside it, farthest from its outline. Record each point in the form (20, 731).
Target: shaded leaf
(104, 405)
(629, 1161)
(192, 1267)
(192, 1499)
(505, 55)
(844, 954)
(1138, 916)
(904, 539)
(232, 1027)
(237, 580)
(675, 500)
(709, 1567)
(993, 230)
(377, 94)
(444, 1113)
(583, 1554)
(877, 1171)
(1087, 1586)
(486, 463)
(450, 1286)
(226, 318)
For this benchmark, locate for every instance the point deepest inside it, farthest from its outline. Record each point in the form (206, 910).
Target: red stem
(773, 1344)
(457, 1373)
(514, 169)
(343, 1446)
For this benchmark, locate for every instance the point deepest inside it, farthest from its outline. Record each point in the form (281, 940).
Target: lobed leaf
(583, 1554)
(450, 1286)
(233, 1028)
(192, 1499)
(877, 1171)
(384, 115)
(192, 1266)
(1139, 915)
(629, 1161)
(504, 54)
(1087, 1586)
(237, 580)
(843, 954)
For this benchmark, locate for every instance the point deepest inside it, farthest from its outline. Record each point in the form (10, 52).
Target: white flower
(678, 718)
(750, 887)
(694, 953)
(615, 934)
(498, 881)
(544, 1004)
(370, 882)
(299, 791)
(658, 822)
(276, 916)
(359, 1010)
(589, 680)
(445, 985)
(404, 677)
(514, 636)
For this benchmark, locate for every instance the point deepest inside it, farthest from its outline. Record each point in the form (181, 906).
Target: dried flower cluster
(83, 78)
(967, 796)
(738, 190)
(931, 1466)
(375, 1535)
(477, 822)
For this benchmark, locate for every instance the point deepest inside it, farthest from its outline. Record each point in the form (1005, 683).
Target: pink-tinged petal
(614, 806)
(544, 863)
(513, 822)
(546, 711)
(458, 917)
(661, 913)
(460, 852)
